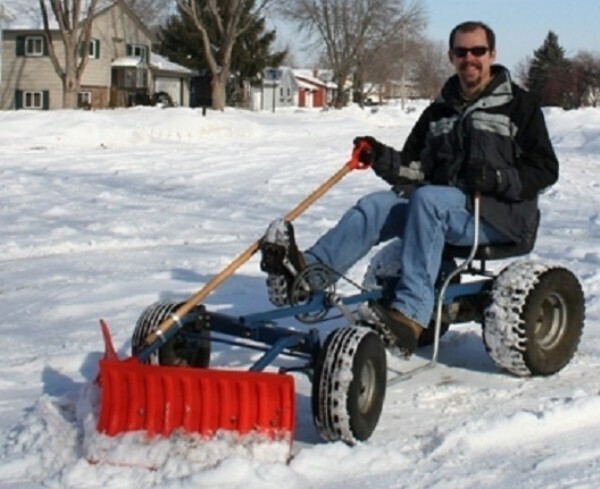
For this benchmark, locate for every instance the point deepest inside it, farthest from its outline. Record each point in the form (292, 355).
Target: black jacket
(504, 126)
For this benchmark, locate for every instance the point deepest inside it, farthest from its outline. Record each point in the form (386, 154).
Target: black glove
(482, 177)
(369, 155)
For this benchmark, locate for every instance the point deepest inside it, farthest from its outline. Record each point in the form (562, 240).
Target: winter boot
(396, 330)
(281, 259)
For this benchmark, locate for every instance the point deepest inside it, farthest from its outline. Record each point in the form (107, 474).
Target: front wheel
(349, 385)
(535, 320)
(179, 350)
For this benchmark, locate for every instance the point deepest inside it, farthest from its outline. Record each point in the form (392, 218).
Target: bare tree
(150, 12)
(586, 83)
(521, 71)
(354, 31)
(4, 14)
(28, 13)
(431, 67)
(229, 18)
(74, 29)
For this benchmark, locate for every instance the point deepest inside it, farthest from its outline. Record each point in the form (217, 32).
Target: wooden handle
(218, 279)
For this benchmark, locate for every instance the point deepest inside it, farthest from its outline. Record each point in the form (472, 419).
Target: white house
(279, 88)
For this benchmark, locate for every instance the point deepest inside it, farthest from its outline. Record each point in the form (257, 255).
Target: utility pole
(403, 79)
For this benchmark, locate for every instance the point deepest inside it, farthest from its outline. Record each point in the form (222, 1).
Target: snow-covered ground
(105, 212)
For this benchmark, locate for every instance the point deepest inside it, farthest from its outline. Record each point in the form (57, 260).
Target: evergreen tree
(253, 53)
(549, 76)
(179, 41)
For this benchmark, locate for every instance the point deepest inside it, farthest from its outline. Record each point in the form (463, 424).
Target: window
(34, 46)
(130, 78)
(138, 50)
(84, 99)
(33, 100)
(93, 50)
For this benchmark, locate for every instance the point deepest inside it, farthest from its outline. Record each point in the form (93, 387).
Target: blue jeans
(433, 216)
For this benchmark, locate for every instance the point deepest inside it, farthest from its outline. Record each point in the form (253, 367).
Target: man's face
(473, 67)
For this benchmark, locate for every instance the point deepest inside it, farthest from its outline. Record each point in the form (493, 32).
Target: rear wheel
(181, 350)
(349, 385)
(535, 321)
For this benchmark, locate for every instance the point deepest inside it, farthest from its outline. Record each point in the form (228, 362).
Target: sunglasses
(477, 51)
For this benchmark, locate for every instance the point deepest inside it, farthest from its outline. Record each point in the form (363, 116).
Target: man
(483, 134)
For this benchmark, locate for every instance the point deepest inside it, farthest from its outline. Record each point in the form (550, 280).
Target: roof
(161, 63)
(27, 15)
(302, 84)
(127, 62)
(157, 63)
(320, 80)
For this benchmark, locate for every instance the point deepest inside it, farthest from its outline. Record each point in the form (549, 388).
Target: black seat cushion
(497, 251)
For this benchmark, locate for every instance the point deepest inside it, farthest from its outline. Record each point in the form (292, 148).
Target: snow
(105, 212)
(162, 63)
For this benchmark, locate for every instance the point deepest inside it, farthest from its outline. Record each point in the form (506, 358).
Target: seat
(497, 251)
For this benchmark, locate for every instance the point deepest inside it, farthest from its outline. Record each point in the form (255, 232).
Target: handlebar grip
(355, 163)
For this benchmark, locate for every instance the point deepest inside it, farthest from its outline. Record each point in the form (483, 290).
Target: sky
(106, 212)
(520, 25)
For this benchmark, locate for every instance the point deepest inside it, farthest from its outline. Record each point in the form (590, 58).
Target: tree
(4, 15)
(586, 72)
(179, 41)
(549, 72)
(521, 71)
(231, 19)
(253, 52)
(74, 30)
(150, 12)
(354, 32)
(431, 67)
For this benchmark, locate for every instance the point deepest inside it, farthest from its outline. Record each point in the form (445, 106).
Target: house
(121, 70)
(287, 87)
(170, 79)
(400, 89)
(278, 88)
(315, 88)
(6, 17)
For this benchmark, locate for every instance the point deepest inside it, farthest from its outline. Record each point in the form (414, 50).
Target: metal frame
(259, 331)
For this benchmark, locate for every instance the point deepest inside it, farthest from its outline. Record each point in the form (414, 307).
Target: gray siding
(114, 28)
(27, 73)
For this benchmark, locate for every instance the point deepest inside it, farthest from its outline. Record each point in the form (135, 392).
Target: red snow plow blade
(160, 400)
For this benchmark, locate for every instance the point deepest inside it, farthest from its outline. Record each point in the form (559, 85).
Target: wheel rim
(552, 321)
(366, 387)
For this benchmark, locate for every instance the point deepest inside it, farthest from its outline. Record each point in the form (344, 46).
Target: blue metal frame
(456, 291)
(259, 331)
